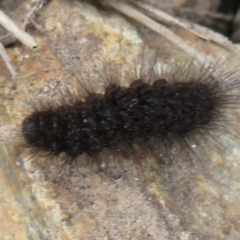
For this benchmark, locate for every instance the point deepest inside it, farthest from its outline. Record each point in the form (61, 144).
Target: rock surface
(183, 200)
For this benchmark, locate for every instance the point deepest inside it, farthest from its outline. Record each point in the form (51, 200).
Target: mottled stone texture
(196, 199)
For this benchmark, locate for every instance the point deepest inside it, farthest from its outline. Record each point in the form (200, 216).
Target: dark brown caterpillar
(160, 111)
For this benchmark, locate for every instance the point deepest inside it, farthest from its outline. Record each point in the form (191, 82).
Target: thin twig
(22, 36)
(32, 13)
(194, 28)
(10, 38)
(17, 33)
(204, 13)
(157, 27)
(6, 59)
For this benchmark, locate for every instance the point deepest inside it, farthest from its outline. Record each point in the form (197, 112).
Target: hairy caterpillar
(155, 112)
